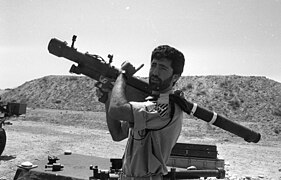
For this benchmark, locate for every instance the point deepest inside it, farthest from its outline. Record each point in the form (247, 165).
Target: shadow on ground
(7, 158)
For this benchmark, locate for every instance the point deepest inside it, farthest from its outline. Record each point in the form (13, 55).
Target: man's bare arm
(118, 130)
(119, 108)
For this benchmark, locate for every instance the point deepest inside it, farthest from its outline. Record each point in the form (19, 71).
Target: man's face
(161, 76)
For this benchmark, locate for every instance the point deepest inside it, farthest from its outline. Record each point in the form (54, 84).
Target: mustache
(155, 77)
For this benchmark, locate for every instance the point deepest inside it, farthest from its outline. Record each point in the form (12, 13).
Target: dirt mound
(57, 92)
(255, 101)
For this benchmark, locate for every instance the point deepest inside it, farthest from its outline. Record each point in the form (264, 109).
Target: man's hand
(129, 69)
(103, 88)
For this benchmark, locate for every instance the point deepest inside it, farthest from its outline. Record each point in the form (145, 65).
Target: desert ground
(44, 132)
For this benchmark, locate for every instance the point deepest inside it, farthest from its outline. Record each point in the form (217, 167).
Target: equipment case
(16, 108)
(195, 150)
(201, 156)
(199, 163)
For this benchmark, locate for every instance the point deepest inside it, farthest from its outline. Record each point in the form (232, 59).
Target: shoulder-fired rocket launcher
(95, 67)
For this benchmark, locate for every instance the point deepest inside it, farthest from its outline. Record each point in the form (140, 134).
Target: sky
(217, 37)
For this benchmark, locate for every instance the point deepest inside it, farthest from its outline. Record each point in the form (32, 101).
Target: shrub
(277, 130)
(58, 101)
(187, 87)
(277, 111)
(72, 78)
(235, 104)
(201, 93)
(223, 84)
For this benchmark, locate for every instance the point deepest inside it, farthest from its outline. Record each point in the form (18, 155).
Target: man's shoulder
(179, 100)
(144, 104)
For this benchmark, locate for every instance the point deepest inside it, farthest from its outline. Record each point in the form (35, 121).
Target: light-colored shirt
(149, 145)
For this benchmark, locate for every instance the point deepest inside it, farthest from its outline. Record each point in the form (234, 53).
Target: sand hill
(255, 101)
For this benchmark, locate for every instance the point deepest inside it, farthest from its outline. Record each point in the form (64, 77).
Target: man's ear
(176, 78)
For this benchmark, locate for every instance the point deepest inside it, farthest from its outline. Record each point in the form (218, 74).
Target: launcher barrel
(217, 120)
(94, 67)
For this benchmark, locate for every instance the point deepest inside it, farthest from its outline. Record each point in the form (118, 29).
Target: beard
(158, 85)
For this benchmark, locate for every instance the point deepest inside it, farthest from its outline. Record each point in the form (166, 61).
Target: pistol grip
(104, 98)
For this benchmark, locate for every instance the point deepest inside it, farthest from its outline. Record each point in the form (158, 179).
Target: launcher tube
(224, 123)
(94, 67)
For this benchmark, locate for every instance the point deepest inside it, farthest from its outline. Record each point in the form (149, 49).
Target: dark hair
(177, 57)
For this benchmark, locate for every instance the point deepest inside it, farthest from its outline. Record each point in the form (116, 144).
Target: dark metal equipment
(96, 67)
(52, 159)
(113, 173)
(7, 111)
(173, 174)
(55, 166)
(76, 167)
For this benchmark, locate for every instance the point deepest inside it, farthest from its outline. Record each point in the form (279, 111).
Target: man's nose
(155, 71)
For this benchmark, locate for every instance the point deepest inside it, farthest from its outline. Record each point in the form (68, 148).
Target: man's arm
(118, 129)
(119, 108)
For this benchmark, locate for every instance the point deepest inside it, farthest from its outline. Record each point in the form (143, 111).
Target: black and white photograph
(140, 89)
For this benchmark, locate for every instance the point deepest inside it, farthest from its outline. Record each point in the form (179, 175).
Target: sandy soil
(33, 141)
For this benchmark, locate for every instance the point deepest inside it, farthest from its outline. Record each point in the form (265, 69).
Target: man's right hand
(129, 69)
(103, 88)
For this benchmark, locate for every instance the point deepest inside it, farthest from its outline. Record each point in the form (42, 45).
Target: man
(152, 127)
